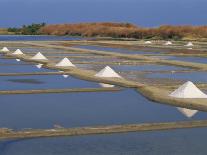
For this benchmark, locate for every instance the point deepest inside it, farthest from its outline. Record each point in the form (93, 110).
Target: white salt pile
(107, 72)
(189, 44)
(188, 90)
(147, 42)
(5, 49)
(18, 52)
(65, 63)
(168, 43)
(39, 56)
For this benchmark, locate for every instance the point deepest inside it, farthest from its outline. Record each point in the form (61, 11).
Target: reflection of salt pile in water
(5, 49)
(187, 112)
(107, 72)
(65, 63)
(189, 44)
(18, 52)
(39, 66)
(147, 42)
(39, 56)
(188, 90)
(18, 60)
(64, 75)
(168, 43)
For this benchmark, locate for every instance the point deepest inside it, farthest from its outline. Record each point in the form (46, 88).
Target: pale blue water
(190, 76)
(190, 59)
(147, 68)
(123, 68)
(173, 142)
(116, 50)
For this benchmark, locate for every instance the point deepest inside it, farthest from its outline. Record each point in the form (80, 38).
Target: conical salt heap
(65, 63)
(107, 72)
(5, 49)
(147, 42)
(168, 43)
(187, 112)
(39, 56)
(188, 90)
(18, 52)
(189, 44)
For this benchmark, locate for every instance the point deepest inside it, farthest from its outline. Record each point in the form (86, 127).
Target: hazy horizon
(150, 13)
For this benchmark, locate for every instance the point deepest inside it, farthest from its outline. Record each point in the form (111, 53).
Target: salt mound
(187, 112)
(18, 52)
(168, 43)
(107, 72)
(189, 44)
(5, 49)
(188, 90)
(147, 42)
(65, 63)
(39, 56)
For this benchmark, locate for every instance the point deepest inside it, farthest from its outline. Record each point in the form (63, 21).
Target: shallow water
(190, 59)
(116, 50)
(189, 76)
(84, 109)
(123, 68)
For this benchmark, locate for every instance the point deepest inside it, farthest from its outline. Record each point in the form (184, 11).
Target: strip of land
(10, 134)
(66, 90)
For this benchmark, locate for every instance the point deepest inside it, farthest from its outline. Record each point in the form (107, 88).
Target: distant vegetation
(126, 30)
(4, 31)
(33, 29)
(114, 30)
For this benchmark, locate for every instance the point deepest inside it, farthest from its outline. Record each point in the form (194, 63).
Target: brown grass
(125, 30)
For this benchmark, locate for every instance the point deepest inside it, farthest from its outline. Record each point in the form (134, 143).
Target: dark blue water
(42, 82)
(35, 38)
(116, 50)
(173, 142)
(190, 76)
(84, 109)
(19, 68)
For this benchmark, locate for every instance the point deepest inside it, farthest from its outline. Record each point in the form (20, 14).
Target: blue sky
(140, 12)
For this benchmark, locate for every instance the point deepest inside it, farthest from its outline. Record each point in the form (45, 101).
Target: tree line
(33, 29)
(114, 30)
